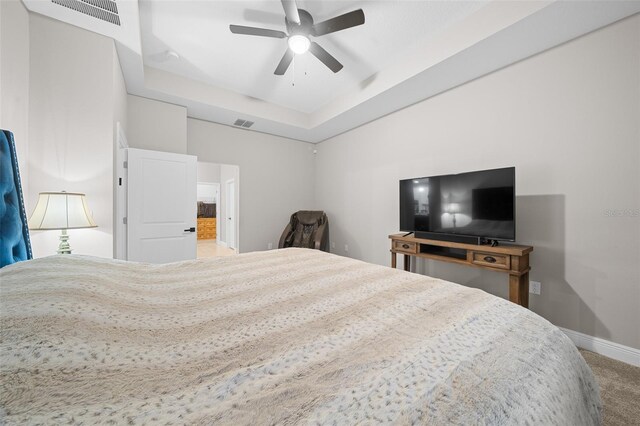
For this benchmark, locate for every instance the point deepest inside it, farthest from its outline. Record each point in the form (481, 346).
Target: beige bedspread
(280, 337)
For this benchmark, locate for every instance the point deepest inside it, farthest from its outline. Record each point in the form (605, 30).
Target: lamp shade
(61, 210)
(453, 208)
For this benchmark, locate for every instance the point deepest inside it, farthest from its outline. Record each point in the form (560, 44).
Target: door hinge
(125, 164)
(124, 220)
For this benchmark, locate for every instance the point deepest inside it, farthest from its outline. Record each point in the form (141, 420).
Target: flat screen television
(475, 207)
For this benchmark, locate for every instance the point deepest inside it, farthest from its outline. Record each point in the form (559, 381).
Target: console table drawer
(406, 247)
(491, 259)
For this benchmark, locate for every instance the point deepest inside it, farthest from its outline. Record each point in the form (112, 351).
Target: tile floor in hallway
(209, 248)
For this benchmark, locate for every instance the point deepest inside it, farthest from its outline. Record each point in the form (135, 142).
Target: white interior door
(161, 206)
(231, 214)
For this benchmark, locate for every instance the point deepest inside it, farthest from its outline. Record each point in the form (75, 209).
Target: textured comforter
(290, 336)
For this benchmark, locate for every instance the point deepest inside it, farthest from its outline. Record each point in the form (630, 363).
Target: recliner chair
(306, 229)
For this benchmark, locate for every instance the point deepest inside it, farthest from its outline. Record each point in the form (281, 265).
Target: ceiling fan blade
(263, 32)
(291, 10)
(339, 23)
(324, 56)
(284, 62)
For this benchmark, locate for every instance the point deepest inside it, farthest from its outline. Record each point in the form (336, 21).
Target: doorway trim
(234, 219)
(216, 186)
(120, 195)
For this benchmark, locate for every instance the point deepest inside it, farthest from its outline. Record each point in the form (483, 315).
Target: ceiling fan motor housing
(300, 27)
(305, 27)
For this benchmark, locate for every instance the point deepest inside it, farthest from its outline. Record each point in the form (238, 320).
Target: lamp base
(64, 247)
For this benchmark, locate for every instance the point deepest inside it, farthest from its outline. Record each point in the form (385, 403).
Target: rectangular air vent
(243, 123)
(105, 10)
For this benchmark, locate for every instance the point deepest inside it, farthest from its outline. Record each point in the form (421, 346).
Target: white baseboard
(604, 347)
(221, 243)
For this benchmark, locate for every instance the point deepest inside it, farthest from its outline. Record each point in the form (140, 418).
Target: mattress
(290, 336)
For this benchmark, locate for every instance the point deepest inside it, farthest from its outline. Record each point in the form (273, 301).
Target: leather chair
(306, 229)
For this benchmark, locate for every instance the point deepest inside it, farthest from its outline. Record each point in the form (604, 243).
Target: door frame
(235, 214)
(216, 185)
(120, 195)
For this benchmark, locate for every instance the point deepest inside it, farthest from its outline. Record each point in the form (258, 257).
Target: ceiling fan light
(299, 44)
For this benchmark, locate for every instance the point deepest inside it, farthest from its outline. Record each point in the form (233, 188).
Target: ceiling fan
(301, 27)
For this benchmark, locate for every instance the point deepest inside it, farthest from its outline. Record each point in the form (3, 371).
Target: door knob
(192, 229)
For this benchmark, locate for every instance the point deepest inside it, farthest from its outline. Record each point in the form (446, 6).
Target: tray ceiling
(183, 52)
(199, 33)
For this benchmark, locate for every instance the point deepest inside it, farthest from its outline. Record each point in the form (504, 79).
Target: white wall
(276, 177)
(208, 192)
(71, 127)
(156, 126)
(14, 80)
(568, 119)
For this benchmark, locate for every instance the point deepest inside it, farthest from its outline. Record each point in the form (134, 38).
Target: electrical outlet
(346, 248)
(333, 244)
(535, 287)
(269, 246)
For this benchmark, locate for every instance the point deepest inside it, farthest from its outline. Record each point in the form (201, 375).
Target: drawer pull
(490, 259)
(405, 246)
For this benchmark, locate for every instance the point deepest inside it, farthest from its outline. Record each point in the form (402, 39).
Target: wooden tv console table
(511, 259)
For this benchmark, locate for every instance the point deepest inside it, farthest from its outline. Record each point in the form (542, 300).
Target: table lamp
(61, 210)
(452, 209)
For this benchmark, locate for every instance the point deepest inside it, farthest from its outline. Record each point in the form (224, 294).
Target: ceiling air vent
(105, 10)
(243, 123)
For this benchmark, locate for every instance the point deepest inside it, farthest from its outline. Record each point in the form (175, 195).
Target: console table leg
(519, 289)
(407, 262)
(393, 260)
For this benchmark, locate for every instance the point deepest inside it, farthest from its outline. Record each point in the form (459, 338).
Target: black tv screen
(475, 204)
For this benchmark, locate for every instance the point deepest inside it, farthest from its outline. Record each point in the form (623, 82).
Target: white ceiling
(199, 33)
(405, 52)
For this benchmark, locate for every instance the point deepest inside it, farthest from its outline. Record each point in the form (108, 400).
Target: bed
(291, 336)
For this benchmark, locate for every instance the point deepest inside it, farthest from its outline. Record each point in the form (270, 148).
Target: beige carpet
(619, 388)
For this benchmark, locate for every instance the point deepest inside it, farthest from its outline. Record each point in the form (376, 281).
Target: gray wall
(157, 126)
(71, 110)
(276, 176)
(568, 119)
(208, 172)
(61, 92)
(14, 79)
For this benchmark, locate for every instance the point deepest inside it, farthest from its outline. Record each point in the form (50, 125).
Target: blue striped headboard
(14, 232)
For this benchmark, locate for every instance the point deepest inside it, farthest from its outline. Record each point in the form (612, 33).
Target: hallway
(209, 248)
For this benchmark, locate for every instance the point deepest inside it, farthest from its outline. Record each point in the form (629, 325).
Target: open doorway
(217, 220)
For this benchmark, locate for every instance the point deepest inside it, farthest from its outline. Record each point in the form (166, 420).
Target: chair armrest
(321, 236)
(287, 231)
